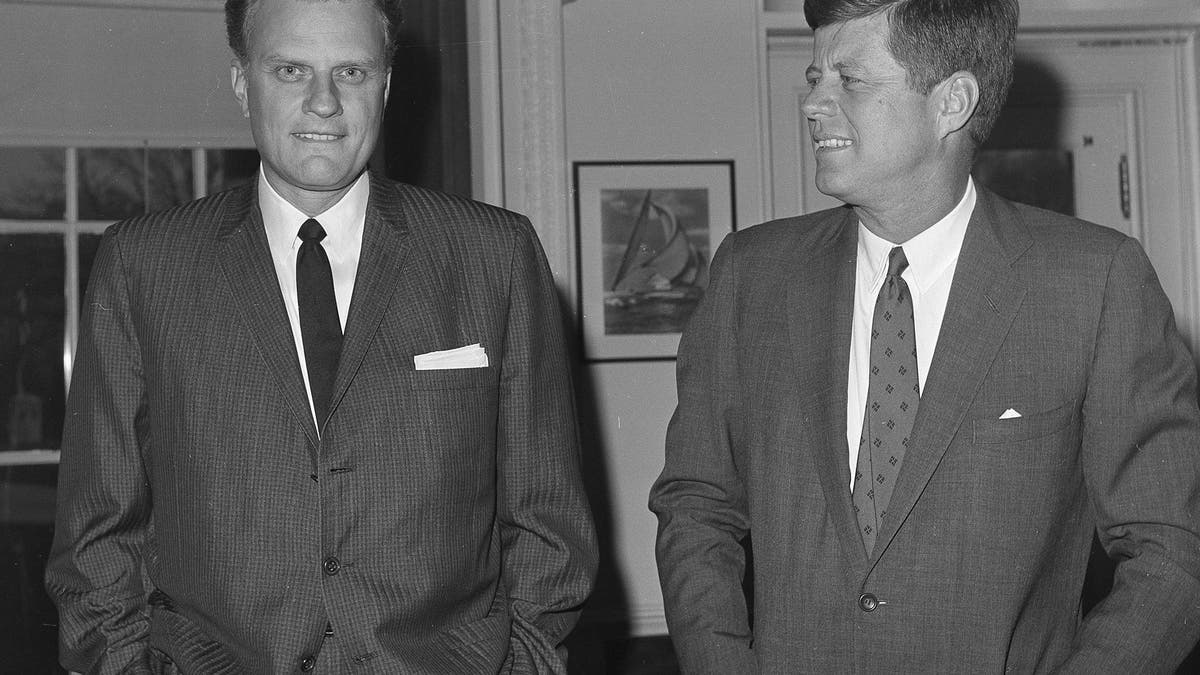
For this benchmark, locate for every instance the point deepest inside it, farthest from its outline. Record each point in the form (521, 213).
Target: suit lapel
(821, 310)
(984, 299)
(385, 243)
(246, 262)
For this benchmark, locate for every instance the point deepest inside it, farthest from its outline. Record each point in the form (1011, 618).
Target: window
(55, 203)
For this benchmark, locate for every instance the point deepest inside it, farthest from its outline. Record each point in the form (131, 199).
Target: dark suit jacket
(981, 569)
(439, 524)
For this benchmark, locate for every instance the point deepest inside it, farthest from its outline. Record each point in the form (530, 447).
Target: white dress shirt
(343, 223)
(932, 257)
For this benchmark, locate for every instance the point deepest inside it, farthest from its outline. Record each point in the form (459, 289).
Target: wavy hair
(932, 39)
(239, 16)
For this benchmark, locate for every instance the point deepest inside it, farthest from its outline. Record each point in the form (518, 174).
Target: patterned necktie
(893, 393)
(320, 328)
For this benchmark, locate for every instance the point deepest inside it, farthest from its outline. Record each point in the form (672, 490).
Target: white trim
(199, 173)
(71, 184)
(55, 226)
(28, 457)
(72, 302)
(766, 193)
(483, 67)
(1061, 18)
(536, 177)
(59, 227)
(184, 5)
(107, 139)
(1189, 145)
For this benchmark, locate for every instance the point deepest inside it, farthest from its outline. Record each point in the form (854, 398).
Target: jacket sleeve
(700, 498)
(1141, 462)
(95, 570)
(547, 534)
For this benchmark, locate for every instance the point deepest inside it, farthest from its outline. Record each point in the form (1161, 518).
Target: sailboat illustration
(659, 261)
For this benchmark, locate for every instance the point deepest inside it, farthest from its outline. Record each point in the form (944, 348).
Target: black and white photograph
(646, 233)
(599, 337)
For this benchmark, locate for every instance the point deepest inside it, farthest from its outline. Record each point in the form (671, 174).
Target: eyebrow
(840, 66)
(849, 64)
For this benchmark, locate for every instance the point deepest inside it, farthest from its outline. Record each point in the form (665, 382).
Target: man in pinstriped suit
(223, 508)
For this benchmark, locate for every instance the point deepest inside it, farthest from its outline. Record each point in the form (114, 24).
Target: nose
(323, 99)
(819, 102)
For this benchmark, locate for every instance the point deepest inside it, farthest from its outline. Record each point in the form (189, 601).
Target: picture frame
(646, 233)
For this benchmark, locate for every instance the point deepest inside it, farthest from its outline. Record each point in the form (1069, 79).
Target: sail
(658, 256)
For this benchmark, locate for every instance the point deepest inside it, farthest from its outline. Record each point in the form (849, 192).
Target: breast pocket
(456, 406)
(1024, 428)
(453, 418)
(454, 378)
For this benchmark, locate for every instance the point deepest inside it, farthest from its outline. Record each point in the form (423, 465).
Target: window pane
(28, 620)
(230, 168)
(32, 186)
(110, 183)
(116, 183)
(88, 245)
(31, 341)
(170, 178)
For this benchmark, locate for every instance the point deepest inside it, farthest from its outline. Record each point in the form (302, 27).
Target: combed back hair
(932, 39)
(239, 16)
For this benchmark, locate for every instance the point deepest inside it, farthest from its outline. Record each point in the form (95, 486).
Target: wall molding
(534, 128)
(183, 5)
(642, 620)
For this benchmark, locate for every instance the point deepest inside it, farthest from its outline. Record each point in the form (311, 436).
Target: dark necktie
(319, 325)
(893, 392)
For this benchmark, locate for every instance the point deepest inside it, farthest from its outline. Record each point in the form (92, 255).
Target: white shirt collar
(343, 221)
(929, 253)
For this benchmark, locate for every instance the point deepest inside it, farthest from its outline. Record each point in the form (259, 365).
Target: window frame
(71, 228)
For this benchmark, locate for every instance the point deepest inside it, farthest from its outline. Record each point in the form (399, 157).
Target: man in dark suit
(322, 422)
(927, 507)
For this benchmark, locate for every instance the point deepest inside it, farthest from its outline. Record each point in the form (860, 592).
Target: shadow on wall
(604, 618)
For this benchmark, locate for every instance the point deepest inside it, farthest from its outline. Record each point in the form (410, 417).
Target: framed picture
(646, 234)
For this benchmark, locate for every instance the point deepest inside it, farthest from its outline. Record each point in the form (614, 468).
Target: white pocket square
(1009, 414)
(471, 356)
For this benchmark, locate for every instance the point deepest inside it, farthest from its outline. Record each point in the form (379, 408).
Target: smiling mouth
(310, 136)
(833, 143)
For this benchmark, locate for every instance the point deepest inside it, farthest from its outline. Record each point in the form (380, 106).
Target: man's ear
(237, 76)
(957, 98)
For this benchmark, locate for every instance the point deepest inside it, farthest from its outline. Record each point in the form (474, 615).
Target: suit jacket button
(308, 664)
(868, 602)
(332, 566)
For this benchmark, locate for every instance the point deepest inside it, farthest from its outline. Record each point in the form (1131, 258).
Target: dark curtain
(427, 138)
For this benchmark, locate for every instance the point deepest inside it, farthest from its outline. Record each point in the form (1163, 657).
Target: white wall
(653, 81)
(77, 74)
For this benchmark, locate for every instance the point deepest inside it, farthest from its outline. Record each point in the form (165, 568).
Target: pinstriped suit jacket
(981, 568)
(438, 524)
